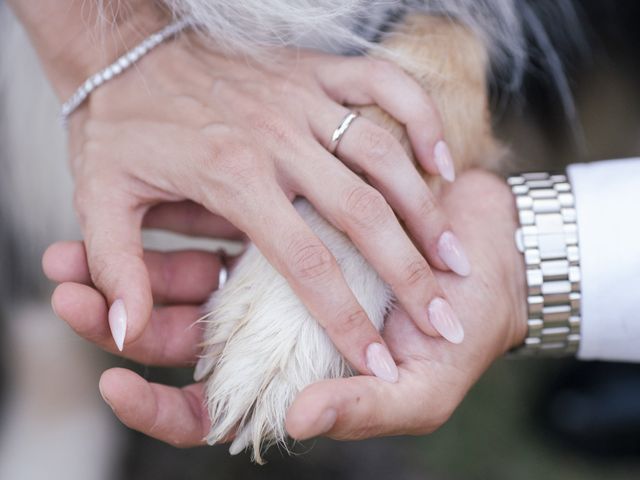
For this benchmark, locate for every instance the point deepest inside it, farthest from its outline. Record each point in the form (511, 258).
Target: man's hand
(434, 374)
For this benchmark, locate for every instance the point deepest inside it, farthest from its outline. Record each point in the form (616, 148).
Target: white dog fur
(262, 346)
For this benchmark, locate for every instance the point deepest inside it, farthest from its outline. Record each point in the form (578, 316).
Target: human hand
(434, 375)
(243, 140)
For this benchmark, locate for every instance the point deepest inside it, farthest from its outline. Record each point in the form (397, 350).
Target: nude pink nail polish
(445, 321)
(452, 254)
(118, 322)
(444, 162)
(381, 364)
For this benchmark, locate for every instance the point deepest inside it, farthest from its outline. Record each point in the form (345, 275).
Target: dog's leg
(261, 345)
(264, 347)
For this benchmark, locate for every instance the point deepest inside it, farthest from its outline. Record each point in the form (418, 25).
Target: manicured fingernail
(444, 162)
(452, 254)
(381, 364)
(445, 321)
(118, 322)
(325, 422)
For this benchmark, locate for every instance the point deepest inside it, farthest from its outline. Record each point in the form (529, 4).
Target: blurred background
(525, 419)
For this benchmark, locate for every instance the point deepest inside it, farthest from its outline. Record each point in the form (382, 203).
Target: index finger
(186, 276)
(315, 276)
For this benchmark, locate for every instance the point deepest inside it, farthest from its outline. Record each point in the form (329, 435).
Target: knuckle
(100, 269)
(384, 70)
(238, 93)
(216, 144)
(230, 157)
(427, 206)
(232, 169)
(310, 260)
(216, 131)
(106, 266)
(416, 272)
(270, 125)
(380, 146)
(302, 91)
(352, 320)
(366, 207)
(240, 160)
(218, 86)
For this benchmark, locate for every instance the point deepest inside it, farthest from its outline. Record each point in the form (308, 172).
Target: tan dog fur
(452, 65)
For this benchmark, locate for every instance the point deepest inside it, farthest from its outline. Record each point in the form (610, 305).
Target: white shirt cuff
(607, 196)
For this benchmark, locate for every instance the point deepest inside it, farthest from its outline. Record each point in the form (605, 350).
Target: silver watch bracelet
(548, 239)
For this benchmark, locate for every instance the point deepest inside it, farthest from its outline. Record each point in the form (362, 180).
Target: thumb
(114, 255)
(346, 408)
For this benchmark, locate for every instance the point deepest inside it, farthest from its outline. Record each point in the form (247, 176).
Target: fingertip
(434, 156)
(66, 300)
(118, 387)
(445, 321)
(118, 380)
(305, 412)
(105, 386)
(48, 261)
(444, 161)
(452, 253)
(65, 261)
(56, 298)
(130, 300)
(118, 322)
(132, 312)
(115, 259)
(423, 147)
(340, 408)
(62, 295)
(381, 363)
(425, 131)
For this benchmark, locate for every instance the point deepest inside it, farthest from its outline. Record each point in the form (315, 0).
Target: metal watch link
(548, 239)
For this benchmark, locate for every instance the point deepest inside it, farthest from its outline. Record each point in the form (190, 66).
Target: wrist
(73, 41)
(514, 274)
(517, 274)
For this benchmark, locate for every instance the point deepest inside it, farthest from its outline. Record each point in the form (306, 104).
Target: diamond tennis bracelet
(119, 66)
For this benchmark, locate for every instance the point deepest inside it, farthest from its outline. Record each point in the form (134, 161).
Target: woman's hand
(434, 374)
(242, 140)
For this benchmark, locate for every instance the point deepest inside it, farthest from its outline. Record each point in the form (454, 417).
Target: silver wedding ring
(223, 274)
(342, 128)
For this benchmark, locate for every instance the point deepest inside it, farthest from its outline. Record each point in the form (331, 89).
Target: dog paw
(262, 347)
